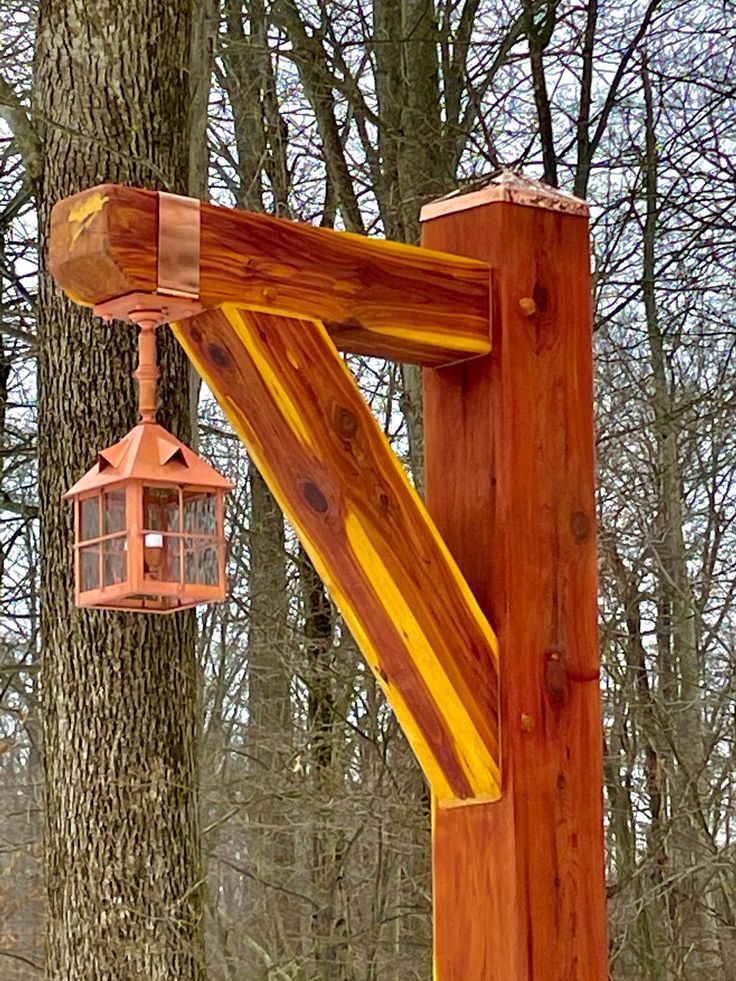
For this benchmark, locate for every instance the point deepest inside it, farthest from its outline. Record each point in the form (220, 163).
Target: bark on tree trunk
(120, 691)
(272, 924)
(690, 851)
(271, 846)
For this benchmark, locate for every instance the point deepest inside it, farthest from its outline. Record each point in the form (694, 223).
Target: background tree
(119, 693)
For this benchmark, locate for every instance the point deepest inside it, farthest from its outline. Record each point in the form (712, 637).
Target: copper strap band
(178, 245)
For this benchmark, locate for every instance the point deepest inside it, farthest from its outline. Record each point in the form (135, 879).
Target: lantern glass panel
(89, 567)
(201, 565)
(114, 561)
(89, 518)
(113, 513)
(161, 558)
(200, 514)
(161, 508)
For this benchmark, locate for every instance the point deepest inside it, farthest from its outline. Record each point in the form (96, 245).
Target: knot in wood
(556, 681)
(219, 355)
(314, 497)
(345, 423)
(580, 526)
(540, 297)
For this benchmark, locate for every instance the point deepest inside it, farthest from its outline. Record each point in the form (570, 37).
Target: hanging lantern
(149, 516)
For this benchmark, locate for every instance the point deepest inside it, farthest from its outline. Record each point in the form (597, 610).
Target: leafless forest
(351, 113)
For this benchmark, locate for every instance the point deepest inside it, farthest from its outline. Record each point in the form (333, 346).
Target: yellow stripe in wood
(404, 252)
(282, 398)
(470, 344)
(478, 764)
(470, 602)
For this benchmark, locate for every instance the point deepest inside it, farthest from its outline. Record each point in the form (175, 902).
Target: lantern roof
(152, 454)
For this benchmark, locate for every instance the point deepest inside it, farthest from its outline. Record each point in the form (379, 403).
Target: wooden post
(519, 884)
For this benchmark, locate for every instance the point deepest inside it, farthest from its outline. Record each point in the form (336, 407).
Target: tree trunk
(272, 924)
(691, 857)
(271, 848)
(120, 691)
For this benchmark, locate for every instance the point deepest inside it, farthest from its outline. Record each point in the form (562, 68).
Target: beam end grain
(102, 243)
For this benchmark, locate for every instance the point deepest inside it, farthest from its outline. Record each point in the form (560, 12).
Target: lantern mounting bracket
(156, 307)
(148, 311)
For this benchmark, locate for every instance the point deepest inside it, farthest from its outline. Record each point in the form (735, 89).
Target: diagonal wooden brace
(299, 412)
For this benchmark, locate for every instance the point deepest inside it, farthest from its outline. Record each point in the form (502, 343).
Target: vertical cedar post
(519, 884)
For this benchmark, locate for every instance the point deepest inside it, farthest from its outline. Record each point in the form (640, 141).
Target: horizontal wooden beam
(301, 416)
(374, 297)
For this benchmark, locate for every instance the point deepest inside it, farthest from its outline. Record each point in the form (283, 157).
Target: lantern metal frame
(135, 590)
(150, 458)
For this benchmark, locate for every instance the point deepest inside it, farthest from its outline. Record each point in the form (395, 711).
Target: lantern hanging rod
(148, 312)
(147, 372)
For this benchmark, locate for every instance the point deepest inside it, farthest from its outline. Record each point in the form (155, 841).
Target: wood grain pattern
(300, 414)
(375, 297)
(519, 884)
